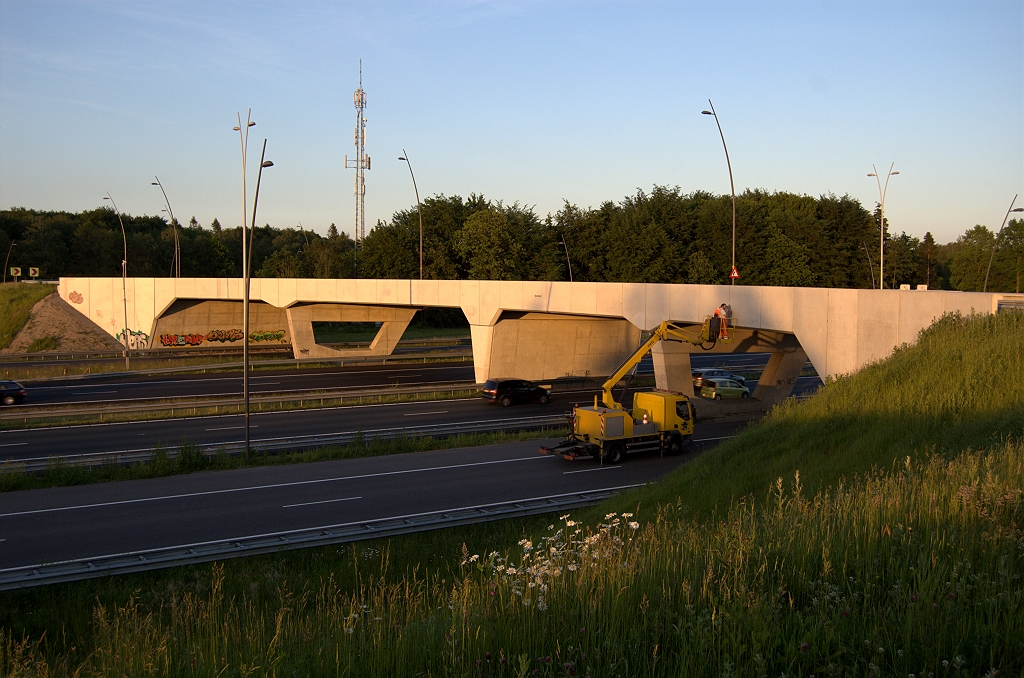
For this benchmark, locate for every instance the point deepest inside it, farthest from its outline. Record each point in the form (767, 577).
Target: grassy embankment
(874, 530)
(16, 300)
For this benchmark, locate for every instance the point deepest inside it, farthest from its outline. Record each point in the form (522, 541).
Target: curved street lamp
(405, 157)
(243, 138)
(733, 273)
(124, 280)
(881, 238)
(176, 264)
(996, 243)
(8, 260)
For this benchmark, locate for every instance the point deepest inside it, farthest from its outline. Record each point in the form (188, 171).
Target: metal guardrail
(174, 556)
(284, 444)
(295, 362)
(193, 402)
(200, 352)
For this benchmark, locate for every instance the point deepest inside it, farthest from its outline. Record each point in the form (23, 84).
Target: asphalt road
(98, 390)
(90, 521)
(120, 388)
(137, 436)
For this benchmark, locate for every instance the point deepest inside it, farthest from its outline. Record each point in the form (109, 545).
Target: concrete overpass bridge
(534, 330)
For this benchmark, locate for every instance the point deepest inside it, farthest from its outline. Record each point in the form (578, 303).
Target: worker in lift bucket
(725, 313)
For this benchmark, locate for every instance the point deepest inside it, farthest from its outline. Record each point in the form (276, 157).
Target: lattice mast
(361, 163)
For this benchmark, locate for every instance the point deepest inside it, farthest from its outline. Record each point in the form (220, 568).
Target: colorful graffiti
(76, 298)
(196, 339)
(137, 340)
(224, 335)
(268, 335)
(181, 339)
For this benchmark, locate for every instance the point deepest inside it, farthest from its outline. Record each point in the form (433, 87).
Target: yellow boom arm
(666, 331)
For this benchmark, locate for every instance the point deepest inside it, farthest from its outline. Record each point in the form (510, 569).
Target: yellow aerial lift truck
(659, 420)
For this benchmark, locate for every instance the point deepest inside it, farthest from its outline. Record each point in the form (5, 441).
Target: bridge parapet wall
(840, 330)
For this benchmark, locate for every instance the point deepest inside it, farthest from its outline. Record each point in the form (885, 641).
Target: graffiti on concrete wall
(222, 336)
(76, 298)
(137, 340)
(267, 335)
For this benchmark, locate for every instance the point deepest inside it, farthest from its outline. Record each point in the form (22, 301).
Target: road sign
(33, 271)
(15, 271)
(734, 274)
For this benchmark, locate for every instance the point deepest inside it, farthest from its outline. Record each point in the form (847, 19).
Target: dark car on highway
(506, 392)
(702, 373)
(11, 392)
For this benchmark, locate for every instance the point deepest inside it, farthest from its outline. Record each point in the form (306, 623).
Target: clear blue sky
(529, 102)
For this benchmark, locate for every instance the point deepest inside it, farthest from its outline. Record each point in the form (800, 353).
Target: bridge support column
(481, 336)
(393, 319)
(779, 377)
(672, 370)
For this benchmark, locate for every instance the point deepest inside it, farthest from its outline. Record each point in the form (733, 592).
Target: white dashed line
(325, 501)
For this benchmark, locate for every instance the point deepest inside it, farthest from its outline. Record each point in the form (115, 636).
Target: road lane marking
(90, 393)
(704, 440)
(588, 470)
(420, 414)
(321, 527)
(296, 483)
(325, 501)
(167, 382)
(231, 428)
(12, 444)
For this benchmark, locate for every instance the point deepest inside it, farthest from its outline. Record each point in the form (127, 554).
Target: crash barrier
(174, 556)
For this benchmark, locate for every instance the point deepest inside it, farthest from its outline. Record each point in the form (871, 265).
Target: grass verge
(875, 530)
(16, 300)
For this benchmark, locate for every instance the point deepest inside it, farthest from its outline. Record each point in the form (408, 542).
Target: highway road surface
(109, 390)
(266, 427)
(93, 521)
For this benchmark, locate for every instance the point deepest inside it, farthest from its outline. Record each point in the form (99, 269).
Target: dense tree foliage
(659, 236)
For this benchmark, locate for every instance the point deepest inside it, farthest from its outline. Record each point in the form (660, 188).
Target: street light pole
(566, 248)
(8, 259)
(994, 244)
(243, 138)
(733, 273)
(881, 227)
(176, 265)
(405, 157)
(124, 281)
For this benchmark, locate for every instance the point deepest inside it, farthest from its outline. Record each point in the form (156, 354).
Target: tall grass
(16, 300)
(915, 571)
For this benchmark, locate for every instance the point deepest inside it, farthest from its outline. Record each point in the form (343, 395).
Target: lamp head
(872, 174)
(401, 158)
(267, 163)
(894, 173)
(1018, 209)
(707, 113)
(236, 128)
(251, 124)
(153, 183)
(106, 197)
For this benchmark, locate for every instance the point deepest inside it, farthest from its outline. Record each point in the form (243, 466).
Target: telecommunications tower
(361, 163)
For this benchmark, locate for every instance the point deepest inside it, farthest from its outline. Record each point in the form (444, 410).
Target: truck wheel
(675, 445)
(505, 401)
(614, 454)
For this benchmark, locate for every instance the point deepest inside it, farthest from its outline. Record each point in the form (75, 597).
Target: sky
(529, 102)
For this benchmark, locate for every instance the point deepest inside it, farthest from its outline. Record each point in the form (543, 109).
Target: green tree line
(663, 235)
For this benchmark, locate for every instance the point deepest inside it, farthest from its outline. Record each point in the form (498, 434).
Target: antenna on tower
(361, 163)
